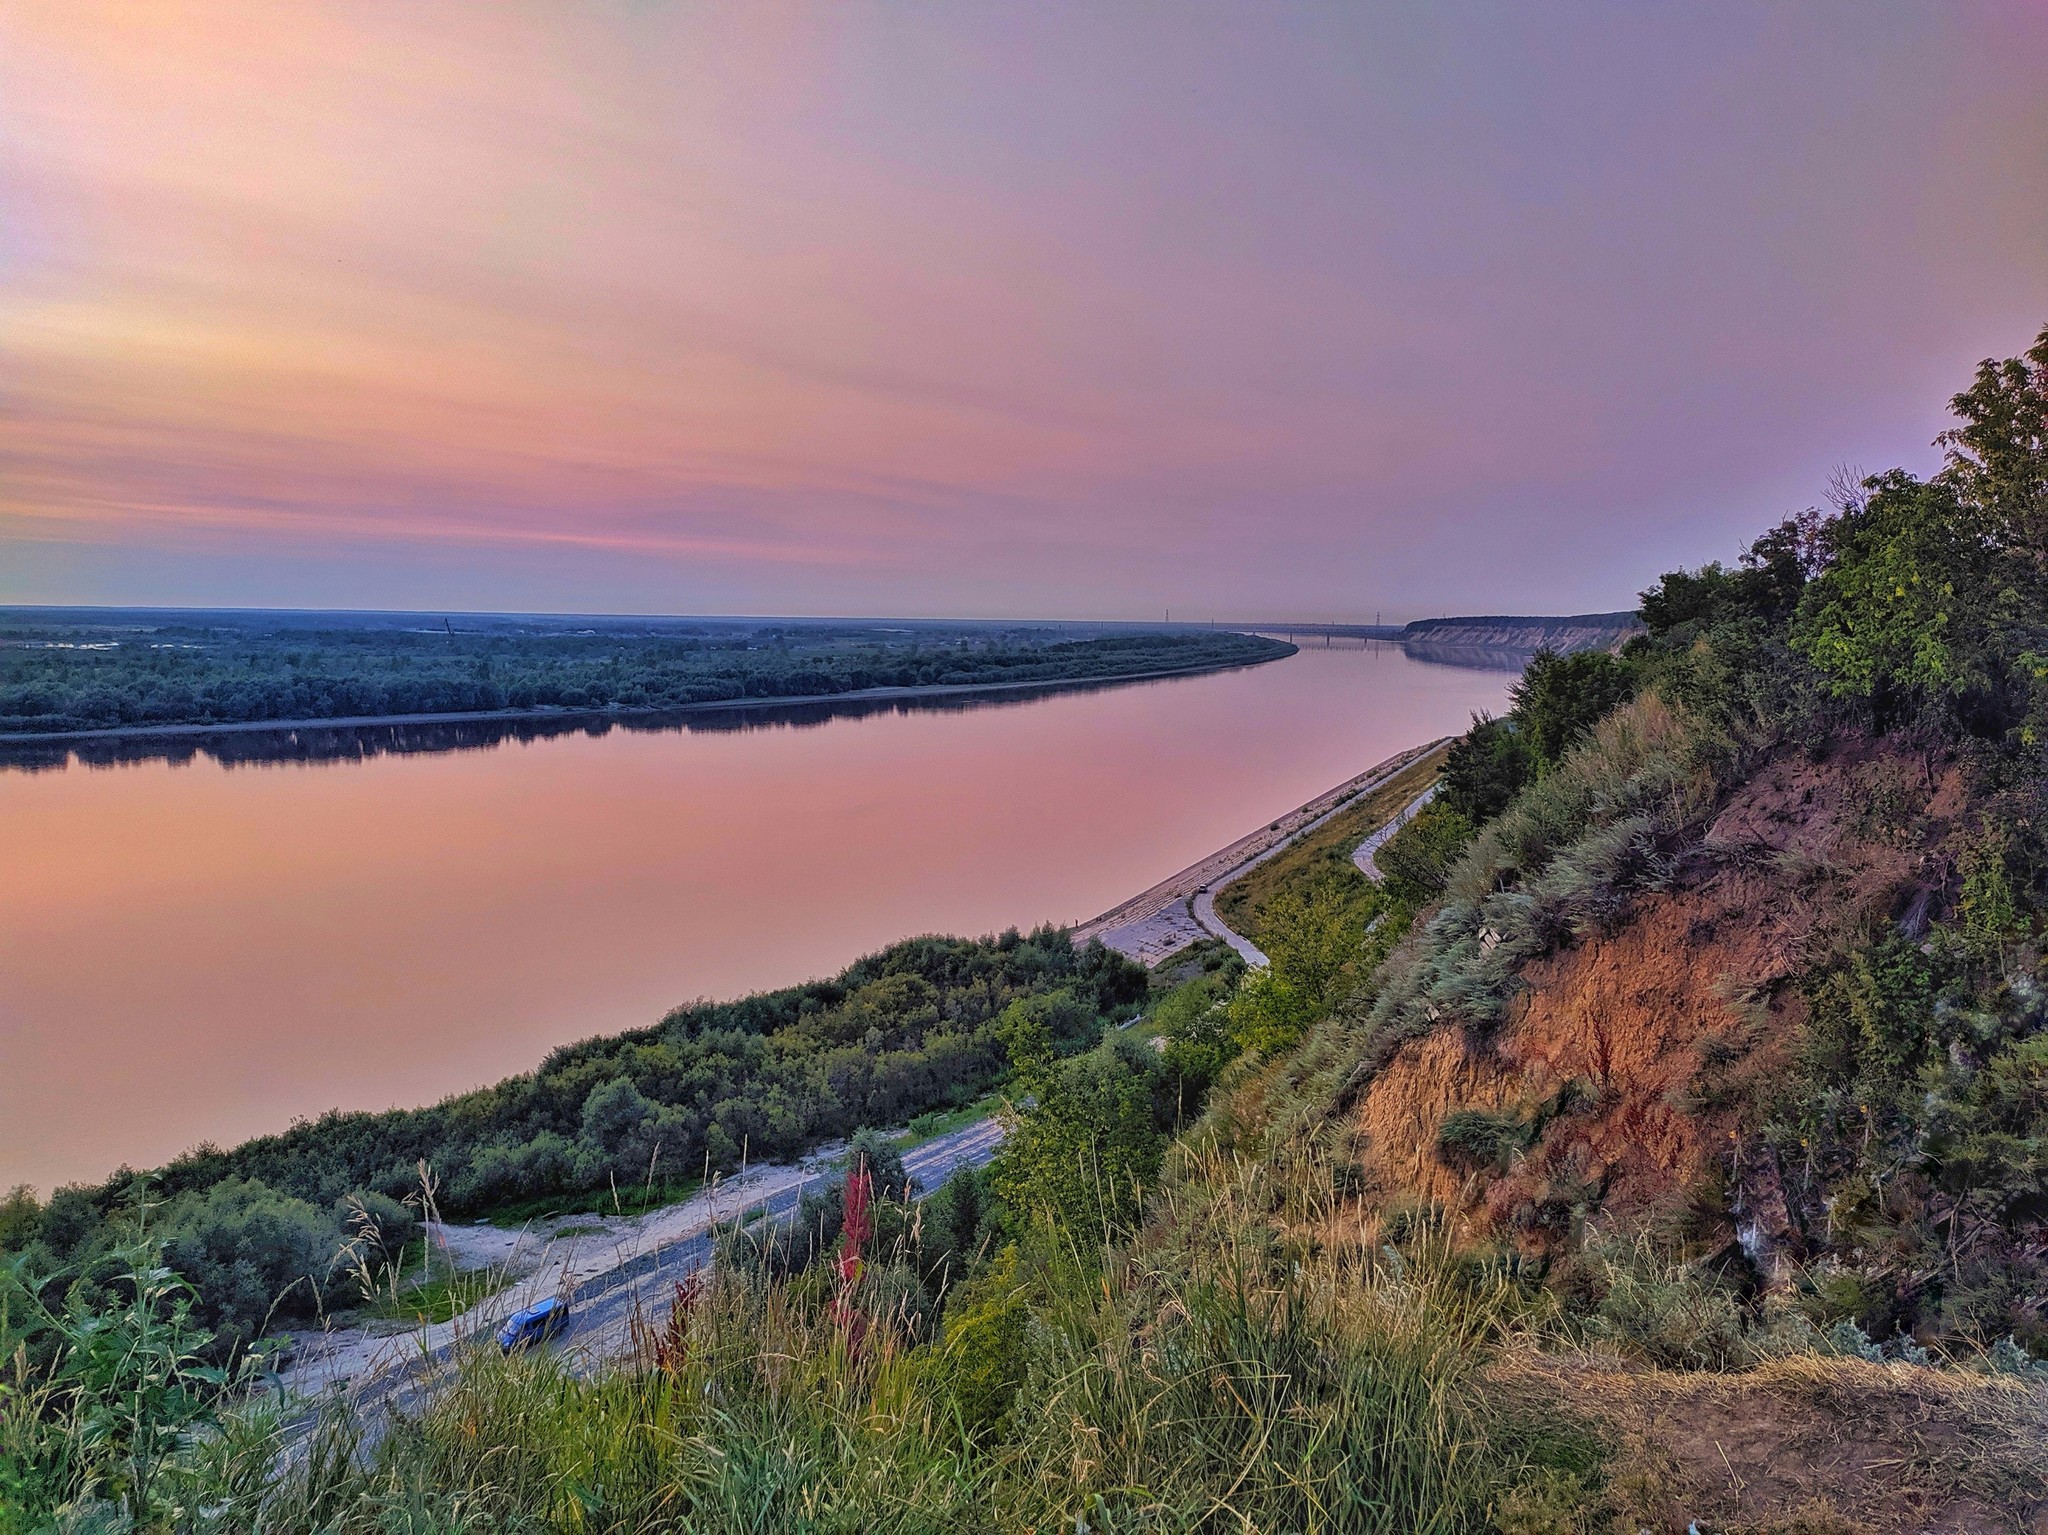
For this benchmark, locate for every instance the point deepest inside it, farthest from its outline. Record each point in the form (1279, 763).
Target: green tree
(1998, 458)
(1914, 602)
(1268, 1013)
(1086, 1149)
(1560, 698)
(1934, 593)
(21, 1218)
(1486, 768)
(1417, 860)
(619, 1132)
(1764, 589)
(1311, 937)
(249, 1253)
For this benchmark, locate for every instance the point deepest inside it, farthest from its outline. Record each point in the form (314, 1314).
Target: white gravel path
(1363, 856)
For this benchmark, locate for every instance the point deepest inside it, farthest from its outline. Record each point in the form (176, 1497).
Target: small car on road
(535, 1324)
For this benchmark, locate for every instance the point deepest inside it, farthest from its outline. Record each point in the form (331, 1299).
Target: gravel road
(611, 1276)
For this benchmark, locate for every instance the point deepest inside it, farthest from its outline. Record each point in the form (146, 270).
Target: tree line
(69, 676)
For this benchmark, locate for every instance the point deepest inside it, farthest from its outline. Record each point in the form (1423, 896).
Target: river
(200, 949)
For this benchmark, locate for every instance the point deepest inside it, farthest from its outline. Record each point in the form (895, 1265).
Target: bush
(1417, 860)
(1086, 1149)
(1482, 1138)
(982, 1364)
(1486, 768)
(250, 1253)
(378, 1221)
(953, 1230)
(1559, 699)
(1670, 1313)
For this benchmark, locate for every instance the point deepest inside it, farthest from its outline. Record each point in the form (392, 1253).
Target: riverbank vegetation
(630, 1118)
(74, 671)
(1674, 1156)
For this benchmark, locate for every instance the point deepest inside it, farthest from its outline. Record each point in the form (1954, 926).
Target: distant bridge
(1325, 631)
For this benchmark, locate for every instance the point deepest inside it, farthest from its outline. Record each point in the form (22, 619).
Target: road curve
(1203, 906)
(410, 1369)
(1163, 920)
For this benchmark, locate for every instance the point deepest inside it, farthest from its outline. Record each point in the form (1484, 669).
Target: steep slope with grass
(1754, 969)
(1626, 1060)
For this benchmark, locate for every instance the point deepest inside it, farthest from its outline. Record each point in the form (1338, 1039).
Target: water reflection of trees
(244, 746)
(240, 747)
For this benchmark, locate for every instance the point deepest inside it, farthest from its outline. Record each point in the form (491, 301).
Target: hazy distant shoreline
(118, 733)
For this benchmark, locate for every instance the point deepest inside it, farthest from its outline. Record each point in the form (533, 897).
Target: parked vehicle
(536, 1324)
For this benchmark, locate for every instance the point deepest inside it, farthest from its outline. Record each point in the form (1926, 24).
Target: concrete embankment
(1181, 910)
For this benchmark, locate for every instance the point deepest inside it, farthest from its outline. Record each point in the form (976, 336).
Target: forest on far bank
(67, 670)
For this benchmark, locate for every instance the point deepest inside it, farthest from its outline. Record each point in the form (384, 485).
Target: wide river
(192, 951)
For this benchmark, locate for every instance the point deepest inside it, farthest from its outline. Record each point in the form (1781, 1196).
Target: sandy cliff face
(1638, 1061)
(1585, 631)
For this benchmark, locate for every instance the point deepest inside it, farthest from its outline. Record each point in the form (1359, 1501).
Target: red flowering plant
(856, 1229)
(671, 1345)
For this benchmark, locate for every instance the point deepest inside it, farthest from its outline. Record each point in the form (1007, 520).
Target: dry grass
(1808, 1443)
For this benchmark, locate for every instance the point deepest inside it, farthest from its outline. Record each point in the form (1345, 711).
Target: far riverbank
(120, 733)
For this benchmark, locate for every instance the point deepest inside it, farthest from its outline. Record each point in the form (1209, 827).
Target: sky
(1239, 311)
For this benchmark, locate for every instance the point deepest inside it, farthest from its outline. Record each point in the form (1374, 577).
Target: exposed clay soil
(1800, 858)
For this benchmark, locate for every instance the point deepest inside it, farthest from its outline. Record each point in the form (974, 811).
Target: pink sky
(972, 309)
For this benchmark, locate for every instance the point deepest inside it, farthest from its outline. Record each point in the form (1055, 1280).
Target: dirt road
(609, 1275)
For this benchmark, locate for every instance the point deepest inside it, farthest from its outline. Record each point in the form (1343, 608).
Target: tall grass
(1246, 1367)
(1242, 1373)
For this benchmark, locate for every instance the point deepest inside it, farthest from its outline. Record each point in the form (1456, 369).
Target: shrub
(1559, 699)
(1481, 1138)
(250, 1253)
(1417, 860)
(982, 1363)
(1087, 1149)
(1486, 768)
(1671, 1313)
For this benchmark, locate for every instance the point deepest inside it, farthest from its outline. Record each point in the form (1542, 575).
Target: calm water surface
(191, 951)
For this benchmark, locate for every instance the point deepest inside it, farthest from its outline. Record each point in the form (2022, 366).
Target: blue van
(536, 1324)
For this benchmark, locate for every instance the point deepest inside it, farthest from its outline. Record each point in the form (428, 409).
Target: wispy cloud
(1231, 309)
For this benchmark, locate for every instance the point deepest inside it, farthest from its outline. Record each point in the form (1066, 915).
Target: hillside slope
(1604, 1053)
(1659, 1142)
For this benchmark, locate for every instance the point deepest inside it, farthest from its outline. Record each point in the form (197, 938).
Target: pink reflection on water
(196, 952)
